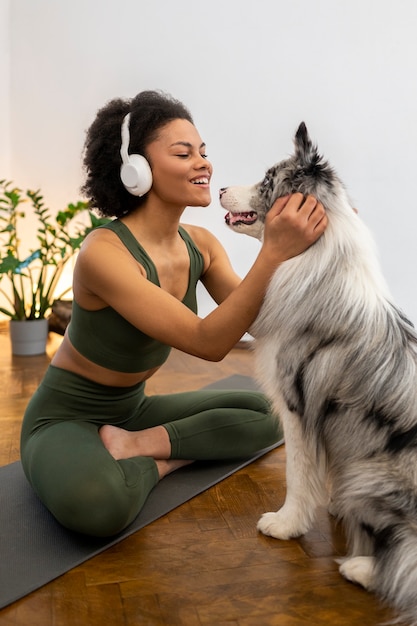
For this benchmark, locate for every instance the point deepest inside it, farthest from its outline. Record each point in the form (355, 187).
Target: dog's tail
(379, 509)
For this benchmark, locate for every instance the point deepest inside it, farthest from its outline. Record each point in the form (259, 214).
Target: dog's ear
(311, 171)
(306, 152)
(303, 144)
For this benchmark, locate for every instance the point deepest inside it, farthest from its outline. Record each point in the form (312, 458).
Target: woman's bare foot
(167, 466)
(125, 444)
(153, 442)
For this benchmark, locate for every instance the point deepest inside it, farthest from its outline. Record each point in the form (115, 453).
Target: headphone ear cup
(136, 175)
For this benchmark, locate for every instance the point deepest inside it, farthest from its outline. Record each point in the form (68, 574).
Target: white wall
(249, 74)
(5, 151)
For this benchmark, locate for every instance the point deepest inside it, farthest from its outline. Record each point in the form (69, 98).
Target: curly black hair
(150, 111)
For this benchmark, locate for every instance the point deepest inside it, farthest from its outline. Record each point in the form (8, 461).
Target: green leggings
(78, 480)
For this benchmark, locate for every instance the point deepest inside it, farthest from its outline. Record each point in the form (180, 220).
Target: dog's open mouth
(235, 219)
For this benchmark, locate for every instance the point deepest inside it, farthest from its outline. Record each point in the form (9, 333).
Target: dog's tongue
(232, 219)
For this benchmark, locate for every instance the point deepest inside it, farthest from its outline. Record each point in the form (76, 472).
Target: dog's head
(306, 172)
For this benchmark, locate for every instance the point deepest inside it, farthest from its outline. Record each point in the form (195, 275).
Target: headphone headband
(135, 172)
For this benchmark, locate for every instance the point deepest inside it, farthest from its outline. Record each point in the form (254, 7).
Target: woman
(93, 444)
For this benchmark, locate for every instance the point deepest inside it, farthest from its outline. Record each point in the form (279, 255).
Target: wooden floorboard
(203, 564)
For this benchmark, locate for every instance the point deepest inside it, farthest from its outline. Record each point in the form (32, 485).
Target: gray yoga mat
(35, 549)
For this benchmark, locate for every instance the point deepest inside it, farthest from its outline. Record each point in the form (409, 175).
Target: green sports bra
(108, 339)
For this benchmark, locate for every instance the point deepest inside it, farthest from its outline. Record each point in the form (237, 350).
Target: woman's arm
(291, 226)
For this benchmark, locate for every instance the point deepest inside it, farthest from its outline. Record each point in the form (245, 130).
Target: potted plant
(28, 282)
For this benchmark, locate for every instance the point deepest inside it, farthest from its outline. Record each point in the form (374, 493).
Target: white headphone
(135, 172)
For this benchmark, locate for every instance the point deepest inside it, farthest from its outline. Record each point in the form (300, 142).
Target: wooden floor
(203, 564)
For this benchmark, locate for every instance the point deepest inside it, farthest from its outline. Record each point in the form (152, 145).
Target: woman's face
(180, 169)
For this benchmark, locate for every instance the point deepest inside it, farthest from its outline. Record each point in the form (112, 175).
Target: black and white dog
(339, 362)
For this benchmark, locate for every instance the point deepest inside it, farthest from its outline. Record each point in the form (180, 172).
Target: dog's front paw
(359, 570)
(281, 526)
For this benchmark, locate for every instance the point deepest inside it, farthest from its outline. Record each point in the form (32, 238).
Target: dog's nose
(222, 191)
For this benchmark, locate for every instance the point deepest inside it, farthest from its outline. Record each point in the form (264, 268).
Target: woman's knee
(269, 423)
(92, 507)
(253, 401)
(106, 499)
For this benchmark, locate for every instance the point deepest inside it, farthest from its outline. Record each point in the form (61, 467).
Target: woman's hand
(292, 225)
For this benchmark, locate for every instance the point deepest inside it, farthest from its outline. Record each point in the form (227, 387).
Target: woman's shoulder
(201, 236)
(103, 246)
(103, 260)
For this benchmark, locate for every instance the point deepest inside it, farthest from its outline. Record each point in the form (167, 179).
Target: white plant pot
(28, 337)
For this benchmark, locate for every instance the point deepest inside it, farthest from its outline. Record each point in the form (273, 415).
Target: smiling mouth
(201, 181)
(236, 219)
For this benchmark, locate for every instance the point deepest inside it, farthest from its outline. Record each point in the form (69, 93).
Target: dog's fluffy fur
(338, 361)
